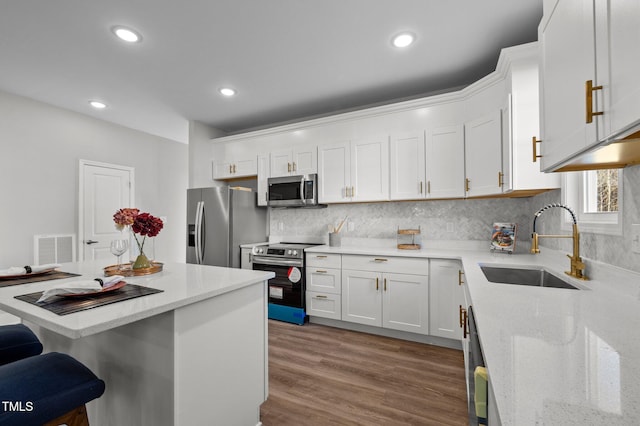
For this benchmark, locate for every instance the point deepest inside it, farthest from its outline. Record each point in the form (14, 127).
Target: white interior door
(104, 188)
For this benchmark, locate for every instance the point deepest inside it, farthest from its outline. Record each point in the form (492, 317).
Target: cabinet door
(405, 303)
(445, 162)
(333, 172)
(325, 305)
(361, 297)
(281, 163)
(262, 181)
(446, 298)
(370, 169)
(483, 155)
(618, 37)
(305, 160)
(245, 166)
(222, 169)
(568, 61)
(406, 168)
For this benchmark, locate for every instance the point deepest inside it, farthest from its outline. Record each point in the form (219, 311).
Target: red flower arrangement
(140, 223)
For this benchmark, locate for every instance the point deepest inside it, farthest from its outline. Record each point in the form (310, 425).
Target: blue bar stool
(49, 389)
(17, 342)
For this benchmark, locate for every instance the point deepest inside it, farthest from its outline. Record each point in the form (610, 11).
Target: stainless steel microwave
(293, 191)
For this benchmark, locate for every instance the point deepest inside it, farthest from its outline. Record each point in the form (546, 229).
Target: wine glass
(118, 248)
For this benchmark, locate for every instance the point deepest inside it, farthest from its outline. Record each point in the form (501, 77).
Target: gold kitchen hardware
(385, 284)
(460, 315)
(321, 271)
(460, 282)
(467, 185)
(289, 167)
(421, 187)
(408, 239)
(577, 265)
(295, 168)
(589, 88)
(319, 296)
(428, 187)
(380, 259)
(534, 141)
(321, 256)
(500, 179)
(377, 284)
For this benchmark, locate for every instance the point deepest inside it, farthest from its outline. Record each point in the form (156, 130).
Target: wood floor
(321, 375)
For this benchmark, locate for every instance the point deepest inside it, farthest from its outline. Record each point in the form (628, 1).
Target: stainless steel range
(287, 290)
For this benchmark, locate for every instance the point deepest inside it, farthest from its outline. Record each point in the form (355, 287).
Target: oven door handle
(275, 262)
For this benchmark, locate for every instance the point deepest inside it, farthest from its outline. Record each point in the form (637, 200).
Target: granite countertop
(554, 356)
(182, 284)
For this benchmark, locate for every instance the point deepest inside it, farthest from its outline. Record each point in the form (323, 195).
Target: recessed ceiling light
(98, 104)
(126, 34)
(227, 91)
(403, 39)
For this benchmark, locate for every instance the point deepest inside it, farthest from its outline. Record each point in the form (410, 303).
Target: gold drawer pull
(377, 284)
(500, 179)
(321, 271)
(380, 259)
(320, 297)
(385, 284)
(321, 256)
(467, 185)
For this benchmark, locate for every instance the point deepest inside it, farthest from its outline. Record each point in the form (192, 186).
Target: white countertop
(554, 356)
(183, 284)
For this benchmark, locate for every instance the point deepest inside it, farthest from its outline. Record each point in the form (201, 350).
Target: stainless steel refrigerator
(219, 219)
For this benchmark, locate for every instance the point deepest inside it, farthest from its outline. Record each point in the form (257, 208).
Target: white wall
(200, 154)
(40, 146)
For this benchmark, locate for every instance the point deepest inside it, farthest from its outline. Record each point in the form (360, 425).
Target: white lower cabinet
(446, 295)
(324, 305)
(324, 285)
(381, 296)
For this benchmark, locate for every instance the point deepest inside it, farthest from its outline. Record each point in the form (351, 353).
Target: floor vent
(54, 248)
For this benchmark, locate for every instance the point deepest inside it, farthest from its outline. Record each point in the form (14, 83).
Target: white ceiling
(288, 59)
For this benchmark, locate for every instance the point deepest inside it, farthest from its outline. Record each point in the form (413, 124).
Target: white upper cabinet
(354, 171)
(445, 162)
(334, 172)
(235, 167)
(483, 155)
(567, 64)
(617, 63)
(262, 181)
(588, 44)
(407, 166)
(297, 161)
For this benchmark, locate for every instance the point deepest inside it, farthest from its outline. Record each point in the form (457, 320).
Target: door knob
(89, 242)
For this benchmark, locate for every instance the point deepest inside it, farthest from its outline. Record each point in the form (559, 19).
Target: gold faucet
(577, 265)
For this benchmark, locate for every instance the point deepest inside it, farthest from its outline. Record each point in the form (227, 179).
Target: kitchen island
(196, 353)
(554, 356)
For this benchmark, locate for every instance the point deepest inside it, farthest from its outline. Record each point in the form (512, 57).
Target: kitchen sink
(524, 276)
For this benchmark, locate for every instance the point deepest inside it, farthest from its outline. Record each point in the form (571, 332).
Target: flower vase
(142, 253)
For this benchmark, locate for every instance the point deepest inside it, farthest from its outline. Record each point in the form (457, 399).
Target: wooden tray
(408, 232)
(409, 246)
(126, 270)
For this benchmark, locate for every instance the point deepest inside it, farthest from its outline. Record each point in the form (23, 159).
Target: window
(595, 196)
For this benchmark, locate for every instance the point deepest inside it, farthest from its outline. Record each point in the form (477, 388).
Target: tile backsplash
(468, 220)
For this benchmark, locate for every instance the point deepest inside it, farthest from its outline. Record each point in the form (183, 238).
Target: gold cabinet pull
(460, 282)
(380, 259)
(589, 88)
(321, 271)
(500, 179)
(230, 168)
(289, 167)
(385, 284)
(294, 166)
(377, 284)
(428, 187)
(467, 185)
(420, 187)
(534, 141)
(319, 296)
(460, 315)
(353, 191)
(234, 169)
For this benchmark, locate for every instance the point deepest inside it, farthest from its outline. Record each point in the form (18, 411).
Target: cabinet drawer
(324, 280)
(324, 305)
(400, 265)
(322, 260)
